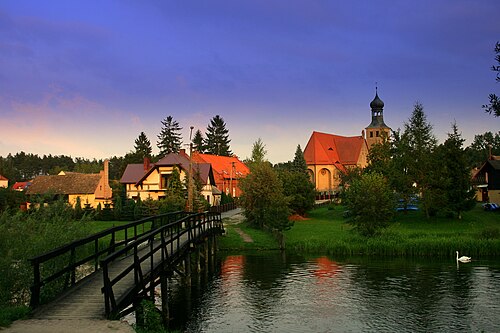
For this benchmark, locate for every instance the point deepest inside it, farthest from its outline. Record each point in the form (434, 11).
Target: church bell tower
(377, 130)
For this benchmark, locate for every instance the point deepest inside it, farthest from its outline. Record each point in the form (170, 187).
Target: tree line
(23, 166)
(411, 167)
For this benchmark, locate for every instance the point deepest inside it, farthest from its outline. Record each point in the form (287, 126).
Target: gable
(327, 149)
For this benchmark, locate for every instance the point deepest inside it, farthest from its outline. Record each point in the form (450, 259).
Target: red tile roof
(21, 185)
(328, 149)
(3, 178)
(223, 165)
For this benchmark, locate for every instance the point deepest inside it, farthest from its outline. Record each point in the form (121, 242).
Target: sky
(85, 78)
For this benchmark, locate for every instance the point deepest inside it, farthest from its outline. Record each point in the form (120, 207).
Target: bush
(24, 235)
(370, 203)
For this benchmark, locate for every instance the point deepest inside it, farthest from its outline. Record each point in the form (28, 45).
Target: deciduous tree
(370, 202)
(494, 106)
(265, 205)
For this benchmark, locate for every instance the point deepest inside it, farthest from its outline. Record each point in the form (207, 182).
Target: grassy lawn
(411, 234)
(97, 226)
(232, 240)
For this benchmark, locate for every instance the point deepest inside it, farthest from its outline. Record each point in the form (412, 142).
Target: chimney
(182, 151)
(147, 165)
(107, 189)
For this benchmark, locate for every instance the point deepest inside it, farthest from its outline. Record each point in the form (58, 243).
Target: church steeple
(377, 126)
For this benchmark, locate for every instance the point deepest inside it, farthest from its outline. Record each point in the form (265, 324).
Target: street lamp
(190, 175)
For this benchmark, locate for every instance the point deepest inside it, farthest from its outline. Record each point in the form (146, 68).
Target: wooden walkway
(130, 270)
(85, 300)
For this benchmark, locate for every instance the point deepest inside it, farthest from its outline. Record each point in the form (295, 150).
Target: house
(487, 181)
(4, 182)
(328, 155)
(228, 170)
(92, 189)
(21, 186)
(150, 180)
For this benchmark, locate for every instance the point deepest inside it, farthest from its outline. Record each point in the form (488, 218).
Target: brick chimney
(147, 164)
(107, 188)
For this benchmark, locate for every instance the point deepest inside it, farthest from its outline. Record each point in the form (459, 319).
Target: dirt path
(246, 237)
(235, 217)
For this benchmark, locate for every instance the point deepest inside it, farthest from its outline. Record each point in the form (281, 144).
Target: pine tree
(217, 138)
(169, 137)
(459, 192)
(299, 162)
(143, 146)
(198, 145)
(421, 145)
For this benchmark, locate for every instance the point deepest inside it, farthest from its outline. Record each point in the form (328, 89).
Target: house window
(208, 199)
(371, 134)
(165, 181)
(377, 134)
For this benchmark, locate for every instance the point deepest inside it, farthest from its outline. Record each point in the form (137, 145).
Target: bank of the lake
(410, 235)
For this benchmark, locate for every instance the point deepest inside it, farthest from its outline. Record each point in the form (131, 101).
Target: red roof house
(228, 170)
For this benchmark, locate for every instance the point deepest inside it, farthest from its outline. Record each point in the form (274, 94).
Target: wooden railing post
(35, 289)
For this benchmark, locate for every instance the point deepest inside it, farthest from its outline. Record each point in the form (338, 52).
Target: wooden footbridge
(104, 274)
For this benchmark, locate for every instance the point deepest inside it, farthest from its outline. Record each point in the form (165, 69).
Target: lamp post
(190, 179)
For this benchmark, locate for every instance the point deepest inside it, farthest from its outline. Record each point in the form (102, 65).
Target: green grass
(97, 226)
(262, 240)
(10, 314)
(409, 235)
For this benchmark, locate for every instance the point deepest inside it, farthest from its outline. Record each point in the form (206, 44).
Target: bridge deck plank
(85, 300)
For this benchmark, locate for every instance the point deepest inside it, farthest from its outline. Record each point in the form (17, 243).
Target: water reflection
(272, 292)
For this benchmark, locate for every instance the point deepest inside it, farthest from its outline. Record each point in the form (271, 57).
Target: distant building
(151, 180)
(92, 189)
(21, 186)
(487, 181)
(328, 155)
(228, 170)
(4, 182)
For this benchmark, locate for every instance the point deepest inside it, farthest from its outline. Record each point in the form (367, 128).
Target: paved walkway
(68, 326)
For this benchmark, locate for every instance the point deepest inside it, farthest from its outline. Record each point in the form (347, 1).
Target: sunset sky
(84, 78)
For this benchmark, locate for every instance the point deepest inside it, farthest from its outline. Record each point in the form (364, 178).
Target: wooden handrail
(168, 239)
(39, 281)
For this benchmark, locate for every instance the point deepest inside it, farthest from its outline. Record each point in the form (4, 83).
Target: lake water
(271, 292)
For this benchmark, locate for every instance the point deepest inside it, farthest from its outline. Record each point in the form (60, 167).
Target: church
(328, 155)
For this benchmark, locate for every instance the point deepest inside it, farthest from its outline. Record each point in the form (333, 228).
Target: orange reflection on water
(326, 268)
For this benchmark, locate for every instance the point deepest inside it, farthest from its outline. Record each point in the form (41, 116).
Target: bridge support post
(206, 251)
(187, 268)
(165, 311)
(197, 254)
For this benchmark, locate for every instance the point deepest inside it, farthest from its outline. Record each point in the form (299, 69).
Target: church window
(377, 134)
(371, 134)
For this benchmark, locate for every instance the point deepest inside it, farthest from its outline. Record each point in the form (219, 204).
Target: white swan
(463, 258)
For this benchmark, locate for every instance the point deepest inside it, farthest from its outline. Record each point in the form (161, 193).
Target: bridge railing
(87, 251)
(159, 247)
